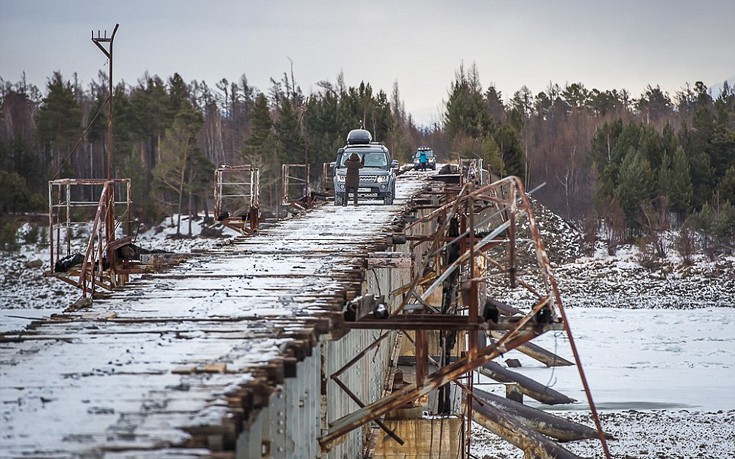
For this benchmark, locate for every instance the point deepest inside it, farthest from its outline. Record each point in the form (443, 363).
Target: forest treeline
(637, 165)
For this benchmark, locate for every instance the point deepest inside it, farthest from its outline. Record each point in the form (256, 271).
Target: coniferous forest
(631, 166)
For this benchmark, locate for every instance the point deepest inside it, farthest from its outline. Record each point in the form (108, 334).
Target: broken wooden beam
(396, 260)
(532, 443)
(537, 353)
(539, 420)
(533, 389)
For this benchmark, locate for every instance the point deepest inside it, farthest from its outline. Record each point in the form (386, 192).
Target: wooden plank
(538, 353)
(389, 262)
(528, 386)
(506, 426)
(539, 420)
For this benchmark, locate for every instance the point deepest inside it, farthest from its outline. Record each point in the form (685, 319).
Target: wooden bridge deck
(177, 359)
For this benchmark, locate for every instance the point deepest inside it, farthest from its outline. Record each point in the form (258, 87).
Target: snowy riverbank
(662, 380)
(657, 347)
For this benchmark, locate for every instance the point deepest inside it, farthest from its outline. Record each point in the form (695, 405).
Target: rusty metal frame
(335, 377)
(411, 392)
(239, 186)
(472, 171)
(296, 191)
(327, 179)
(100, 266)
(508, 205)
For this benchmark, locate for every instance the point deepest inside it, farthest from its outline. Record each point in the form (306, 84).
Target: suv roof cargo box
(359, 137)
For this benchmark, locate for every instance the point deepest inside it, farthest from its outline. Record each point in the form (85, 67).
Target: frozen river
(643, 359)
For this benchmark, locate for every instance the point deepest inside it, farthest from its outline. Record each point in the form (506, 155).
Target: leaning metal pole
(108, 53)
(110, 217)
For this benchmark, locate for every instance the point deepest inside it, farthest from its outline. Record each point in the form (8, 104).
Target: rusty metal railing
(92, 263)
(237, 197)
(296, 192)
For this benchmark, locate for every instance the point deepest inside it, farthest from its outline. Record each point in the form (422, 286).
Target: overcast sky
(421, 44)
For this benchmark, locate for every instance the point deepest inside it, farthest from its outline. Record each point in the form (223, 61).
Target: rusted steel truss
(475, 233)
(97, 263)
(411, 392)
(237, 197)
(296, 192)
(327, 176)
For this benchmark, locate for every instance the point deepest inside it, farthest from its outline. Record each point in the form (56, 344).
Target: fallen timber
(538, 420)
(528, 386)
(538, 353)
(247, 352)
(533, 444)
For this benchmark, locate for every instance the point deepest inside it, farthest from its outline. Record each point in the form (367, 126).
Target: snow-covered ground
(658, 346)
(26, 295)
(663, 381)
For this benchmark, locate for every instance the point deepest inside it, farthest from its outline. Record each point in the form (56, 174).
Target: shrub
(648, 255)
(31, 236)
(14, 194)
(685, 243)
(8, 241)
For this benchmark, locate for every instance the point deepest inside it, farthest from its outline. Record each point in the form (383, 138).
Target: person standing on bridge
(352, 178)
(423, 160)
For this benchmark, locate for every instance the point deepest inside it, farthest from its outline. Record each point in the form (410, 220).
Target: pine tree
(150, 117)
(726, 188)
(288, 133)
(467, 113)
(634, 186)
(605, 157)
(321, 126)
(495, 104)
(261, 150)
(172, 173)
(59, 120)
(511, 151)
(491, 157)
(262, 128)
(178, 93)
(14, 194)
(697, 144)
(680, 187)
(653, 105)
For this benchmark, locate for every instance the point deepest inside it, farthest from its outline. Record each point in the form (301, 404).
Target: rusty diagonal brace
(479, 194)
(462, 196)
(437, 237)
(102, 209)
(466, 233)
(355, 398)
(510, 340)
(549, 278)
(464, 257)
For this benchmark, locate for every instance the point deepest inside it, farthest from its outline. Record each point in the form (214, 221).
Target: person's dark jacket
(353, 164)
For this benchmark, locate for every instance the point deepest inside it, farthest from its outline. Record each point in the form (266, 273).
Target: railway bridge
(347, 332)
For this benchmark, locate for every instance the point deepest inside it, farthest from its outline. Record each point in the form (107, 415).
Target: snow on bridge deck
(152, 367)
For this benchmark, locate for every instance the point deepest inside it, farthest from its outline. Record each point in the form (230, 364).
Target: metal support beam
(437, 379)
